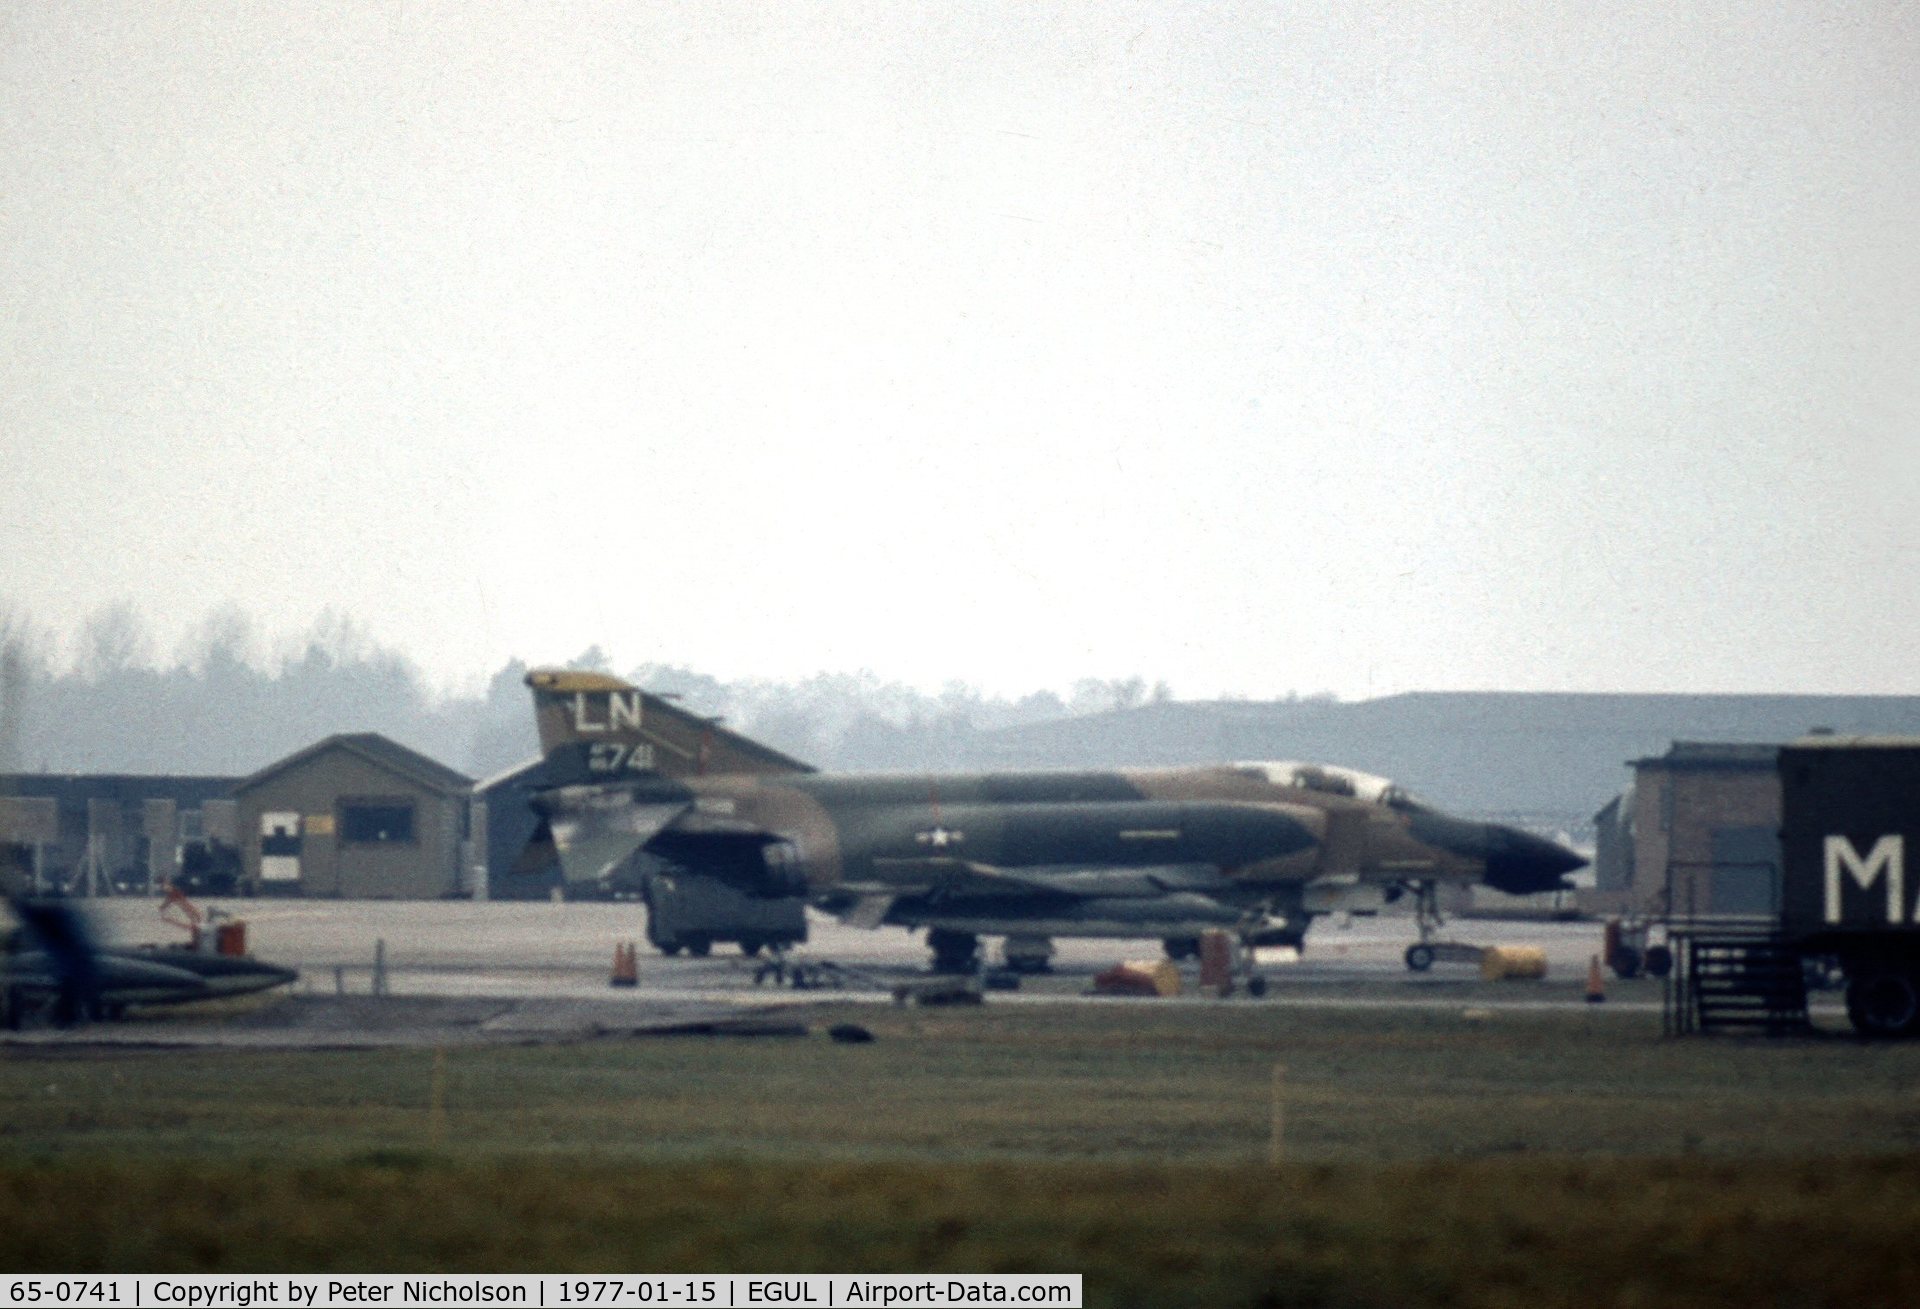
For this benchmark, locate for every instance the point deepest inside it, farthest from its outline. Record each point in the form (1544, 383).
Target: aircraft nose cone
(1521, 863)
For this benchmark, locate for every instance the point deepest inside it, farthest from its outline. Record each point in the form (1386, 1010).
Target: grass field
(1429, 1157)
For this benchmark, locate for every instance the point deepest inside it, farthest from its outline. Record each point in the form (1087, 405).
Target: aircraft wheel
(1419, 958)
(699, 946)
(954, 952)
(1884, 1003)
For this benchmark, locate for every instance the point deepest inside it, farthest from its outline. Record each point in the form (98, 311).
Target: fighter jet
(52, 970)
(1256, 848)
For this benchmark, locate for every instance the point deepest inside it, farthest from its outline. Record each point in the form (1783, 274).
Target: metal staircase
(1735, 980)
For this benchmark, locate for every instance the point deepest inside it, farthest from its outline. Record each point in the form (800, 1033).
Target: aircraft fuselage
(1165, 851)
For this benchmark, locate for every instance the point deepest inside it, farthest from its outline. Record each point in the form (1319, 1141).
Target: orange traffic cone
(1596, 988)
(626, 966)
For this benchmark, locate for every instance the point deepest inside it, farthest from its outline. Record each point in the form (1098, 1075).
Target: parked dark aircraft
(52, 969)
(1257, 848)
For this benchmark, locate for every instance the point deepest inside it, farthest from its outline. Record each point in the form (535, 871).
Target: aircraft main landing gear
(954, 952)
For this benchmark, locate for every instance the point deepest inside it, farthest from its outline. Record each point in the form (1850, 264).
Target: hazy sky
(1255, 347)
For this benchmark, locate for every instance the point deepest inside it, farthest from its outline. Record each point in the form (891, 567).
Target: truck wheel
(1181, 947)
(1884, 1003)
(1659, 961)
(1419, 958)
(750, 946)
(1625, 963)
(665, 945)
(699, 946)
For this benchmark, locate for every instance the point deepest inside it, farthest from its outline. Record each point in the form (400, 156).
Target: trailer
(1850, 810)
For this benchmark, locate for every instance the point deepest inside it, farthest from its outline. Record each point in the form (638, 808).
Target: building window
(376, 822)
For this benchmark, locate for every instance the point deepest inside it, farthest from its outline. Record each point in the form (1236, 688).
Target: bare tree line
(104, 700)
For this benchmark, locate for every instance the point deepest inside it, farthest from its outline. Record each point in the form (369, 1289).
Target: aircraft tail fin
(66, 941)
(599, 727)
(615, 757)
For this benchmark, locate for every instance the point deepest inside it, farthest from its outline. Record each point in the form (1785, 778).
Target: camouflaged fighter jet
(1259, 848)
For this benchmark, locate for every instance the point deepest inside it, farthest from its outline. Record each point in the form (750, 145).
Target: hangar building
(356, 816)
(100, 832)
(503, 823)
(1697, 834)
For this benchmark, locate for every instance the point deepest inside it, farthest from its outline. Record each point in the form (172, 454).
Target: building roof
(377, 750)
(1701, 756)
(1834, 741)
(127, 787)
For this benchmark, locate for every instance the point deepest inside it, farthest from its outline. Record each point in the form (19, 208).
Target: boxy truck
(691, 913)
(1850, 818)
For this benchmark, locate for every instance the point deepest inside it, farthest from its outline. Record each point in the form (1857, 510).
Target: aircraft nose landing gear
(1428, 950)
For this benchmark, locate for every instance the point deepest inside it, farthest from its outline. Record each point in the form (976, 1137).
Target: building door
(280, 848)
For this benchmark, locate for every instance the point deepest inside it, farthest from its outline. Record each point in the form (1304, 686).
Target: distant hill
(1551, 760)
(1482, 752)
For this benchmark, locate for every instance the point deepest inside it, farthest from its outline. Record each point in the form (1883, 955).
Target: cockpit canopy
(1330, 779)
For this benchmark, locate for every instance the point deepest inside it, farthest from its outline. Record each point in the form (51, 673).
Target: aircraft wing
(37, 971)
(970, 877)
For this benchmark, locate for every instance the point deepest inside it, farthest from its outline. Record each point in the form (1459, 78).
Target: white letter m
(1888, 855)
